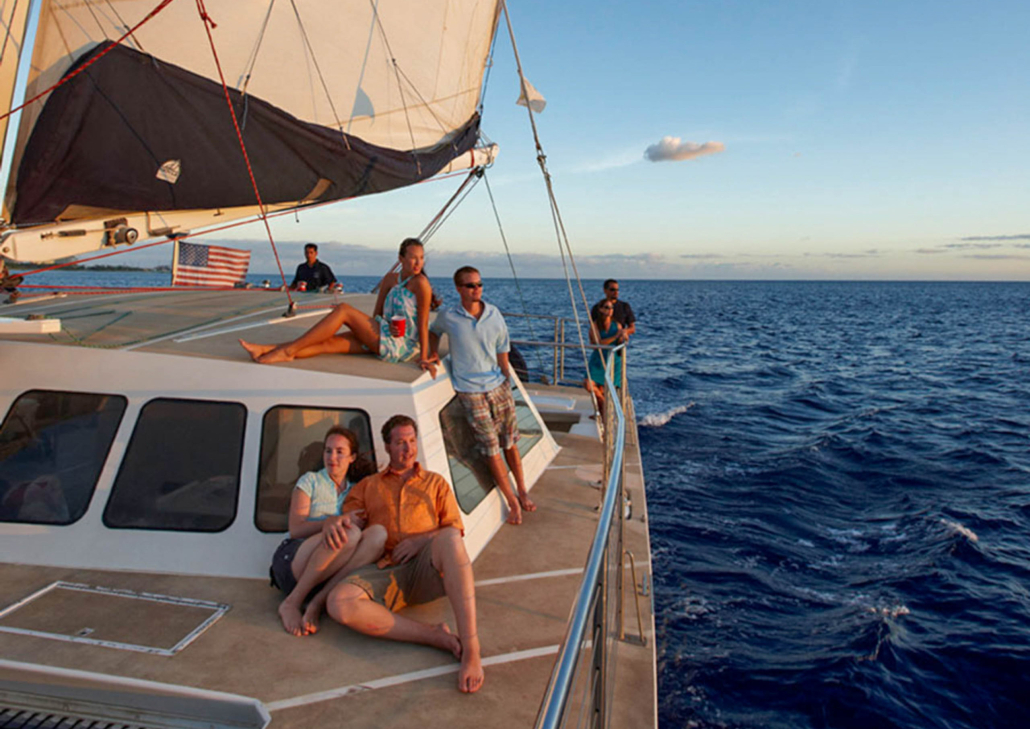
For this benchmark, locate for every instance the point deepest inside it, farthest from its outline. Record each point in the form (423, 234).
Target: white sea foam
(891, 612)
(959, 529)
(657, 420)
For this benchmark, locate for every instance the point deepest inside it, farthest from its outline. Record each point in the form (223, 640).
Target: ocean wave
(956, 528)
(657, 420)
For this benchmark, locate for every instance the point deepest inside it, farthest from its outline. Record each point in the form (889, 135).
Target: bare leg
(362, 326)
(500, 474)
(370, 548)
(349, 605)
(514, 459)
(312, 565)
(450, 557)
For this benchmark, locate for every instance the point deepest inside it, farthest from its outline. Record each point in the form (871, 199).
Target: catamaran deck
(527, 576)
(526, 581)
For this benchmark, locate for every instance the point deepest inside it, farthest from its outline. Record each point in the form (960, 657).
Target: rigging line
(7, 35)
(208, 24)
(555, 215)
(248, 67)
(434, 225)
(100, 26)
(489, 67)
(400, 88)
(515, 275)
(318, 70)
(437, 222)
(121, 20)
(68, 77)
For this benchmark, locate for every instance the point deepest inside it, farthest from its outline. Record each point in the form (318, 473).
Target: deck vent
(122, 619)
(13, 718)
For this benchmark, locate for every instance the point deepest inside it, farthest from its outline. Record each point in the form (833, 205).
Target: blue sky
(882, 140)
(860, 140)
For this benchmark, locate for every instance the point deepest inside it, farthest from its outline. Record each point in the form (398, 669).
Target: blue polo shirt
(475, 344)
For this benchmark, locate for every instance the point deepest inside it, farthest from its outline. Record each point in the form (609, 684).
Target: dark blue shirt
(315, 276)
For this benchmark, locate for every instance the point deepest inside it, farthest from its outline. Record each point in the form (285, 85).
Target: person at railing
(313, 273)
(622, 312)
(425, 557)
(323, 544)
(605, 330)
(399, 332)
(481, 374)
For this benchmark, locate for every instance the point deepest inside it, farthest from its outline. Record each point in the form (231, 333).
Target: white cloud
(675, 150)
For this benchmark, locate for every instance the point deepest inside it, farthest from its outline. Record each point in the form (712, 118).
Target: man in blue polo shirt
(480, 374)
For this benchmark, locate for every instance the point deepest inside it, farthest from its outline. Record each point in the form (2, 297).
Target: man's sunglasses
(475, 285)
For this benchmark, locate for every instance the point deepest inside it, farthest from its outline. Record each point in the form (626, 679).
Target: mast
(14, 22)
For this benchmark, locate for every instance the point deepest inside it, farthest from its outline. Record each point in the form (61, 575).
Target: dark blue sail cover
(132, 134)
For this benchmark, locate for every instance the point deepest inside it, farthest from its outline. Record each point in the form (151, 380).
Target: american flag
(201, 265)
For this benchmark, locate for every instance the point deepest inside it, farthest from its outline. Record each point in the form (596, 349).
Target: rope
(515, 275)
(209, 25)
(563, 240)
(68, 77)
(318, 70)
(9, 24)
(440, 218)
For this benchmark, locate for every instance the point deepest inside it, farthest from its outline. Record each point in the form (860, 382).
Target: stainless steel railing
(591, 626)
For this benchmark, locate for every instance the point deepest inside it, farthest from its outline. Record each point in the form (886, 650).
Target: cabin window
(291, 445)
(52, 448)
(181, 471)
(470, 473)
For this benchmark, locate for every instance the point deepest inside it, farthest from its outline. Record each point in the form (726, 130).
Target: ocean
(839, 491)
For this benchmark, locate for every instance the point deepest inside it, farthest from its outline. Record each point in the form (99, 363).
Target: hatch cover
(122, 619)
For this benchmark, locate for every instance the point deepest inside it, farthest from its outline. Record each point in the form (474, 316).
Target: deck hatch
(122, 619)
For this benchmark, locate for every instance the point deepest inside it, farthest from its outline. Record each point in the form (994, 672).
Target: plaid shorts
(492, 417)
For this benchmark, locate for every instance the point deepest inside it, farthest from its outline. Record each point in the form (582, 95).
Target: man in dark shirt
(623, 312)
(313, 273)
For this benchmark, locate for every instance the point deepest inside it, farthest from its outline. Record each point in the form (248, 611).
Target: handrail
(556, 697)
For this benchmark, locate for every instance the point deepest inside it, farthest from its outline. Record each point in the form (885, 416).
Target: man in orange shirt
(425, 557)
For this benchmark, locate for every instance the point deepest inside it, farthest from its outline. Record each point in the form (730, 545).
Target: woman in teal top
(406, 294)
(605, 330)
(323, 545)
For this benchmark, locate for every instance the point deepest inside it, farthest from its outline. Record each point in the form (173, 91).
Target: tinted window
(469, 470)
(291, 445)
(52, 447)
(182, 468)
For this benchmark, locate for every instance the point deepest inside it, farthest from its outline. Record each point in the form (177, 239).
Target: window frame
(261, 448)
(103, 462)
(128, 450)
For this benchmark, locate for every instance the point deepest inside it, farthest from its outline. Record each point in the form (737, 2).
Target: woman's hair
(362, 465)
(599, 316)
(408, 243)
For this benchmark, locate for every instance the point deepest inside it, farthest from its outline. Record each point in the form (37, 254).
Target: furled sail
(335, 98)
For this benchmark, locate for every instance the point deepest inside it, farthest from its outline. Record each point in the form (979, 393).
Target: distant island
(77, 267)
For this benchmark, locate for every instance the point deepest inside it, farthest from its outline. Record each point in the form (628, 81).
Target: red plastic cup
(302, 286)
(397, 326)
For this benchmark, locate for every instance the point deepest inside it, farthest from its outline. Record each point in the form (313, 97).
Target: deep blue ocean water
(839, 491)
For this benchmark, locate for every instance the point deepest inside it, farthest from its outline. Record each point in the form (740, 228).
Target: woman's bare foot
(470, 675)
(293, 622)
(256, 350)
(311, 615)
(525, 502)
(275, 354)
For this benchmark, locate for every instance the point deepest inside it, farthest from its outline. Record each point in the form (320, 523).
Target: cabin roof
(202, 324)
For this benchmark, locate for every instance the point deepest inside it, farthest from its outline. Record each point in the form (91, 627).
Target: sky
(732, 140)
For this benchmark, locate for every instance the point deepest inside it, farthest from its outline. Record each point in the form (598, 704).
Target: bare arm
(388, 282)
(423, 300)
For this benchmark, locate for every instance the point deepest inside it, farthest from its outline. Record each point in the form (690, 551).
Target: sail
(13, 19)
(335, 98)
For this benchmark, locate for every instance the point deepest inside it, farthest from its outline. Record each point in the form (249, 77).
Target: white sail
(395, 85)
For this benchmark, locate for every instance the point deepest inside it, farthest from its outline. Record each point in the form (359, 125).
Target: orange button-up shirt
(405, 508)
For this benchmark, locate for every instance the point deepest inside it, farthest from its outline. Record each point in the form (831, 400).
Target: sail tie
(68, 77)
